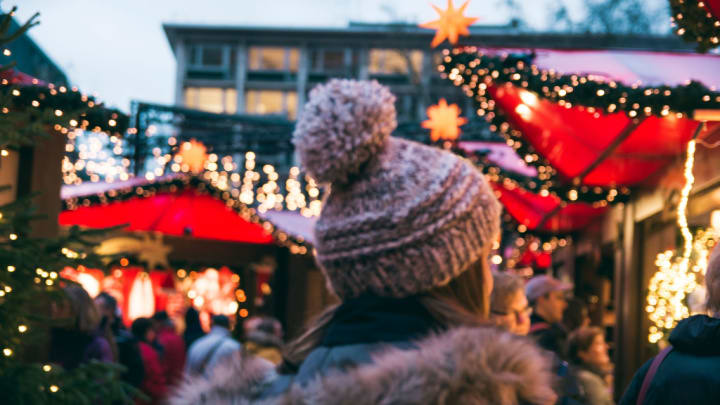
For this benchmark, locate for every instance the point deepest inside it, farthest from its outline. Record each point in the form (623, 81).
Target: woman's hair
(460, 302)
(580, 341)
(506, 285)
(575, 314)
(192, 320)
(85, 314)
(712, 282)
(140, 328)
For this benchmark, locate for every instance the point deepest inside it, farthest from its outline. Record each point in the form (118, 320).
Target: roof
(410, 36)
(179, 205)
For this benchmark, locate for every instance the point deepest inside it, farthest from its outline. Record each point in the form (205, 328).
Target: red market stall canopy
(530, 212)
(595, 131)
(545, 214)
(177, 206)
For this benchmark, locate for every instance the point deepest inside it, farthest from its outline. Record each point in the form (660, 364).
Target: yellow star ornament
(444, 121)
(451, 24)
(194, 154)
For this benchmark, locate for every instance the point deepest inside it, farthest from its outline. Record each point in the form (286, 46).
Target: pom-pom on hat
(401, 217)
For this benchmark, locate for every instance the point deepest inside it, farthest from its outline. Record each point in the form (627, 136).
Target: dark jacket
(70, 348)
(458, 366)
(550, 336)
(130, 357)
(690, 374)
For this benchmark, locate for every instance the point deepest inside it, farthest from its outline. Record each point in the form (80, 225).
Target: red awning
(599, 149)
(593, 148)
(186, 212)
(545, 214)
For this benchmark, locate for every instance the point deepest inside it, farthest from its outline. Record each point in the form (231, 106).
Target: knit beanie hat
(401, 217)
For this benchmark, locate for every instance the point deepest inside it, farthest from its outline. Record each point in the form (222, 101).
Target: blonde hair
(712, 282)
(460, 302)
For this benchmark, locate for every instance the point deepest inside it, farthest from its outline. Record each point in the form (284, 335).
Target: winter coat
(130, 357)
(209, 350)
(71, 348)
(461, 366)
(690, 374)
(153, 384)
(595, 391)
(550, 336)
(380, 352)
(173, 354)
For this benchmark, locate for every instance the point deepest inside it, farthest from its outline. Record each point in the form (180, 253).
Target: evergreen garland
(695, 24)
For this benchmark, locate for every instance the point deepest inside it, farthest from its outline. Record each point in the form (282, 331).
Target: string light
(676, 276)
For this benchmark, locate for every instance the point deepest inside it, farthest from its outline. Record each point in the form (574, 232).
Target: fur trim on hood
(480, 366)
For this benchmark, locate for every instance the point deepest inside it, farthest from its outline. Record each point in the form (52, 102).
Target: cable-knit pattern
(417, 218)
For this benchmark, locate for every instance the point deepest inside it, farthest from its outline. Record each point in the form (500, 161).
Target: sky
(117, 50)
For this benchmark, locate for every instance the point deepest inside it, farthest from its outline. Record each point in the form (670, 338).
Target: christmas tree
(30, 267)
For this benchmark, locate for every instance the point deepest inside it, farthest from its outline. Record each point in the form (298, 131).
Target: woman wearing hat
(403, 241)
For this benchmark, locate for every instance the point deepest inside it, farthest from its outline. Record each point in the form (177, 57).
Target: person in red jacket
(153, 384)
(173, 348)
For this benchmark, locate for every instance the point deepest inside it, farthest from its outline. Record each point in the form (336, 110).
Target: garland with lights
(30, 110)
(39, 107)
(696, 23)
(296, 245)
(474, 72)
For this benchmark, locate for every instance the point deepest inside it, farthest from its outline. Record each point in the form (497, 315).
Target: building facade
(269, 71)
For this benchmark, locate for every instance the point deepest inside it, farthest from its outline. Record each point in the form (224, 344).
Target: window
(210, 61)
(271, 102)
(394, 61)
(273, 58)
(212, 56)
(327, 60)
(211, 99)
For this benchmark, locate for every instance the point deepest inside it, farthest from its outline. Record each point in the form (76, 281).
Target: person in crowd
(263, 338)
(576, 315)
(547, 297)
(591, 365)
(153, 384)
(687, 371)
(210, 350)
(508, 305)
(127, 346)
(403, 241)
(193, 329)
(509, 309)
(173, 353)
(78, 338)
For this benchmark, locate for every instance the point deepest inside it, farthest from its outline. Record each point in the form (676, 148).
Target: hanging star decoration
(444, 121)
(451, 24)
(194, 154)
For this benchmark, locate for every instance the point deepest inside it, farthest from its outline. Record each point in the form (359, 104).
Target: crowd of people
(403, 241)
(155, 357)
